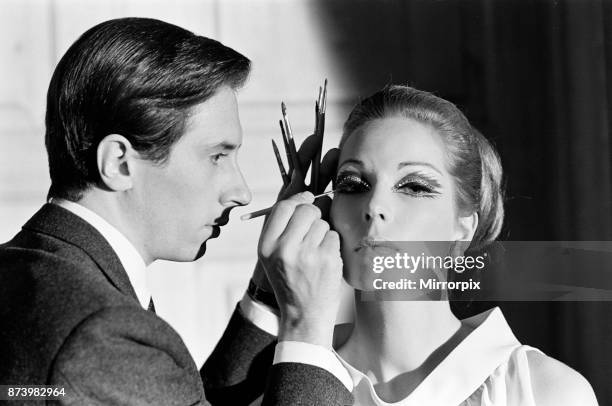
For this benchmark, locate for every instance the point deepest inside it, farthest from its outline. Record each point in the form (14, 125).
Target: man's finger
(281, 214)
(331, 242)
(299, 224)
(302, 197)
(317, 232)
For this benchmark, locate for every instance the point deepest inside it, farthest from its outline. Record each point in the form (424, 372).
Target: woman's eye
(350, 184)
(417, 188)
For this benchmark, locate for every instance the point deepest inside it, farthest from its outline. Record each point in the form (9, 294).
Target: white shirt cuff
(311, 354)
(260, 314)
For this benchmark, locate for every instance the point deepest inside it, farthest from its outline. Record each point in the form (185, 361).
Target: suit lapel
(58, 222)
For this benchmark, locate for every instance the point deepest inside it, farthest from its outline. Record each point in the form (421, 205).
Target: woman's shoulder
(554, 383)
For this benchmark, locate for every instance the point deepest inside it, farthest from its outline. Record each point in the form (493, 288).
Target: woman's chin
(360, 280)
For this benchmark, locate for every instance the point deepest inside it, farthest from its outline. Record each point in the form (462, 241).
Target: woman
(412, 168)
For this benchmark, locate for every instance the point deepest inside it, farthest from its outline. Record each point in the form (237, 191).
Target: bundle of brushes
(291, 151)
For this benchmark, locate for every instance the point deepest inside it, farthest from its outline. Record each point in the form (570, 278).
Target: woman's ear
(466, 227)
(464, 232)
(114, 158)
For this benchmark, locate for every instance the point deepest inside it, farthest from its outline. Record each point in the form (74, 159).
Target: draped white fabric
(489, 367)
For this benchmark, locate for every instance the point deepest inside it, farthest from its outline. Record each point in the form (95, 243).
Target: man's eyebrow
(415, 163)
(224, 146)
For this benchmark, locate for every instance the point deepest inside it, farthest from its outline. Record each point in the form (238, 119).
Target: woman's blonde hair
(473, 161)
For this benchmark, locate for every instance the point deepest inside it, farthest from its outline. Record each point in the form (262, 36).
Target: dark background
(531, 75)
(534, 77)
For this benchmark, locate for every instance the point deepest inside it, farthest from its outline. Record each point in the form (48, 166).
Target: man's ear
(114, 158)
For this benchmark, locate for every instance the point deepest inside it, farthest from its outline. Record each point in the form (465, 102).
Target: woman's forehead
(388, 142)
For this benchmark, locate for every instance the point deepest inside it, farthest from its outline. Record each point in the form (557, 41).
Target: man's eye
(346, 183)
(217, 157)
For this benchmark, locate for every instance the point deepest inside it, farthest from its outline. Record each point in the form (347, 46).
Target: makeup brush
(281, 167)
(287, 149)
(320, 106)
(290, 141)
(266, 211)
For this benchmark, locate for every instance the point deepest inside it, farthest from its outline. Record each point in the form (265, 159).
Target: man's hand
(307, 152)
(301, 257)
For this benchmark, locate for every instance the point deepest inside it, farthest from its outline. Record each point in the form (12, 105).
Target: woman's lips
(375, 244)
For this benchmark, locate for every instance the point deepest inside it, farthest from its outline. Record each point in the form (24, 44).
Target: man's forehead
(215, 122)
(222, 103)
(226, 139)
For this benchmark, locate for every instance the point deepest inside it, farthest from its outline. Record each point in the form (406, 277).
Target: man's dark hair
(136, 77)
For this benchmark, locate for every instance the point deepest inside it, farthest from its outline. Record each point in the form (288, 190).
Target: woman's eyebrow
(415, 163)
(351, 161)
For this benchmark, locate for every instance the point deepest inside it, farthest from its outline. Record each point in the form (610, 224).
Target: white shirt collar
(463, 370)
(130, 258)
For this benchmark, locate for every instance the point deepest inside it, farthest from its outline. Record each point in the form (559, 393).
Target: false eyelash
(346, 182)
(426, 191)
(420, 178)
(343, 177)
(415, 181)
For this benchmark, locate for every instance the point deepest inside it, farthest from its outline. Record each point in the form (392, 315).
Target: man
(142, 133)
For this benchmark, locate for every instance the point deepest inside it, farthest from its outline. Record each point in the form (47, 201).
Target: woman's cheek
(337, 215)
(433, 223)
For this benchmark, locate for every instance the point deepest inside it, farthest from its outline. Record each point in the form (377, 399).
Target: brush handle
(255, 214)
(268, 210)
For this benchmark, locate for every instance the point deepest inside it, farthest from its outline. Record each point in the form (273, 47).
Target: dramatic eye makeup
(415, 184)
(419, 185)
(350, 182)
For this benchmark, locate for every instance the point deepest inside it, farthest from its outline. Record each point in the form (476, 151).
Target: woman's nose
(376, 209)
(374, 214)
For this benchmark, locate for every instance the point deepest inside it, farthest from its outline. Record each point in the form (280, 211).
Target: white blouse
(489, 367)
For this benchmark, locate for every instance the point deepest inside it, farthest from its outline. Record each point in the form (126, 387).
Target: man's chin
(201, 251)
(216, 230)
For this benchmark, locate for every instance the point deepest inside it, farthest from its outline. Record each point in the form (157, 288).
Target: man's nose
(238, 192)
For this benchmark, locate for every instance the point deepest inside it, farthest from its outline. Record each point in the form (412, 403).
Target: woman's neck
(391, 338)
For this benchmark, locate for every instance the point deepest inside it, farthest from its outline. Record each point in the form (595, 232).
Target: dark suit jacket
(69, 317)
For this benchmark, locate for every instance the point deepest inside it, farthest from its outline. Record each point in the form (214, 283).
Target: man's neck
(118, 214)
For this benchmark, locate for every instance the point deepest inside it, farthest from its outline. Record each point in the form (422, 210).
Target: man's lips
(216, 226)
(216, 230)
(223, 220)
